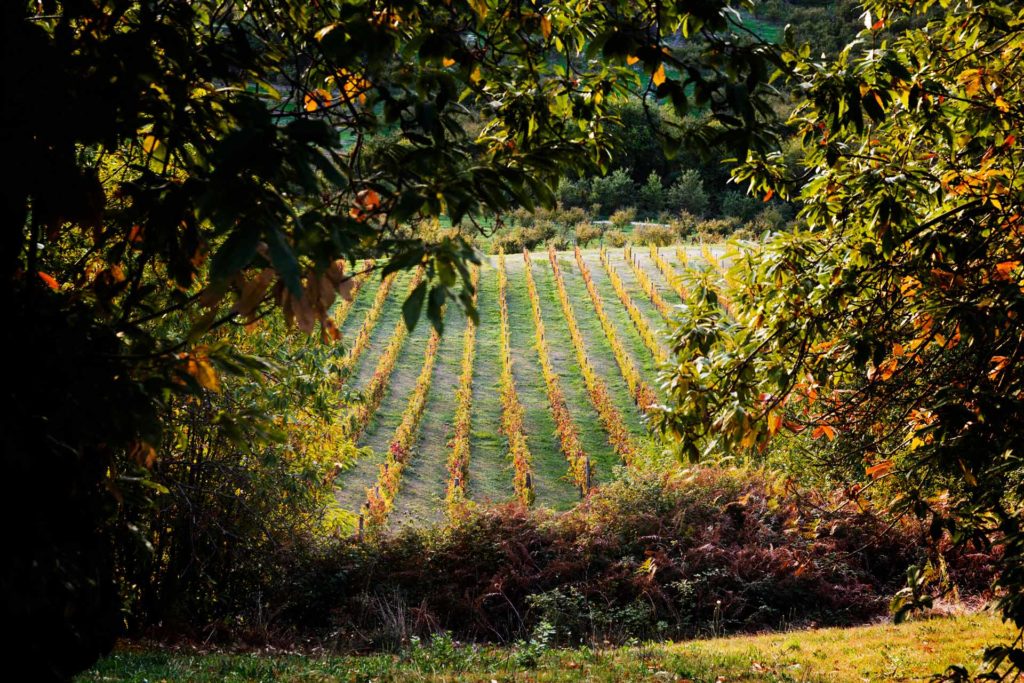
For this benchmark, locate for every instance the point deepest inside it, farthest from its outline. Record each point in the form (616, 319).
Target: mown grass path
(490, 472)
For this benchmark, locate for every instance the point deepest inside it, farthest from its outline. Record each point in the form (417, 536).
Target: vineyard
(540, 402)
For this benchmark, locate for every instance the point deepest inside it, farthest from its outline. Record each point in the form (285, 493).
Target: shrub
(685, 225)
(623, 218)
(587, 233)
(714, 230)
(573, 192)
(649, 555)
(569, 216)
(560, 242)
(655, 235)
(616, 238)
(517, 239)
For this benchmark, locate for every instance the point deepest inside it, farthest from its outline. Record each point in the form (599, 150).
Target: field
(885, 652)
(438, 410)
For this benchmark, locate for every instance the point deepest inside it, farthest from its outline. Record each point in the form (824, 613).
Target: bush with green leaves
(651, 196)
(738, 205)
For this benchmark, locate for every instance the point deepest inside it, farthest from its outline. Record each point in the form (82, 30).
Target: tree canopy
(187, 167)
(885, 332)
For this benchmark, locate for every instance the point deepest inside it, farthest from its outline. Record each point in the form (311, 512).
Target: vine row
(568, 435)
(378, 384)
(362, 339)
(511, 408)
(641, 392)
(611, 419)
(639, 322)
(458, 455)
(647, 284)
(673, 278)
(380, 499)
(344, 306)
(715, 264)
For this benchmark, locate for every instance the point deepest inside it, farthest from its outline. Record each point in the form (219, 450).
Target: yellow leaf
(476, 75)
(545, 26)
(200, 368)
(322, 33)
(480, 7)
(659, 75)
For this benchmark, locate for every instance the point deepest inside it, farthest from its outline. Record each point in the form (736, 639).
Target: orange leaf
(768, 196)
(143, 453)
(632, 59)
(659, 75)
(253, 291)
(368, 199)
(1005, 268)
(48, 281)
(447, 61)
(545, 27)
(879, 469)
(824, 430)
(878, 24)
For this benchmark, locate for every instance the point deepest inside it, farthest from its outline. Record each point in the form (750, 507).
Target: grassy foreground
(884, 652)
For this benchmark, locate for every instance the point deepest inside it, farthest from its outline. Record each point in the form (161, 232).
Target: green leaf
(413, 305)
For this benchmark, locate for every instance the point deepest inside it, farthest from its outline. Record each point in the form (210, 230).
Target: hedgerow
(651, 555)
